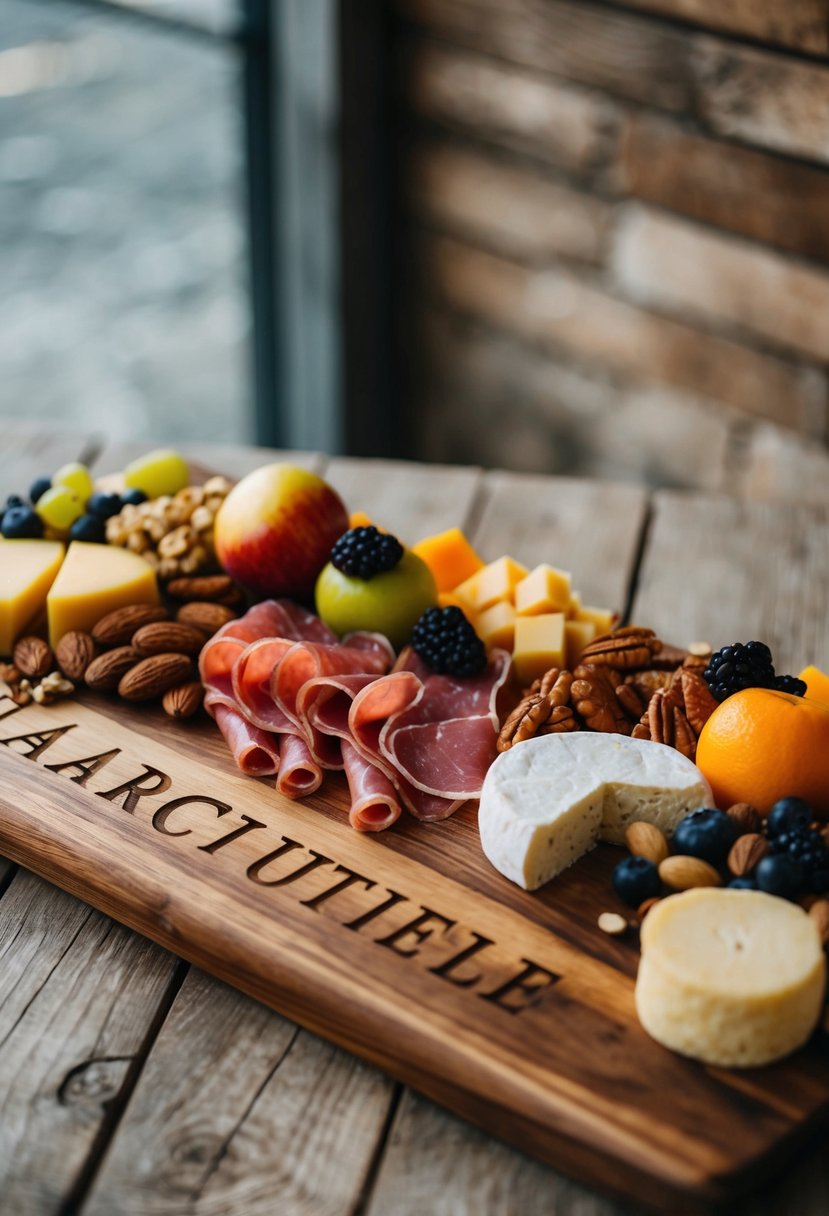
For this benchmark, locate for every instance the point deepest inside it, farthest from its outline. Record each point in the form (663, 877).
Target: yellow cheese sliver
(95, 580)
(539, 645)
(496, 625)
(27, 571)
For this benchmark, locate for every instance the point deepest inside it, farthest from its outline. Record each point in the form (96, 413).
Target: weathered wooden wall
(615, 237)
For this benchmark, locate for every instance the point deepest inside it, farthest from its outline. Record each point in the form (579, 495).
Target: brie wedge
(548, 800)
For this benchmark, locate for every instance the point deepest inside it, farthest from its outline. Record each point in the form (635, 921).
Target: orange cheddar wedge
(450, 557)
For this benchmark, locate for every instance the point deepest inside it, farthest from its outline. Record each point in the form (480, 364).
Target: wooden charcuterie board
(511, 1009)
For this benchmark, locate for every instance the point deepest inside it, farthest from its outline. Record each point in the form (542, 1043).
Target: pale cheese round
(548, 800)
(734, 978)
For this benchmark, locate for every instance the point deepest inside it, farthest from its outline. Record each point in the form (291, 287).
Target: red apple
(274, 531)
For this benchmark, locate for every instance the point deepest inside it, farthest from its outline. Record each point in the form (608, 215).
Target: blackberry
(444, 639)
(741, 665)
(805, 846)
(790, 684)
(364, 552)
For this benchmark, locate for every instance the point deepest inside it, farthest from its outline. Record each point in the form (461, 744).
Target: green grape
(160, 472)
(76, 477)
(59, 508)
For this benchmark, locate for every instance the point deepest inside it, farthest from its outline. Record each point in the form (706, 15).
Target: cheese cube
(450, 557)
(545, 589)
(574, 607)
(496, 625)
(359, 519)
(27, 570)
(539, 645)
(733, 978)
(577, 635)
(602, 618)
(94, 580)
(497, 582)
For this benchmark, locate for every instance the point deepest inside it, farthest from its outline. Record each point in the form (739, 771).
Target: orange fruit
(760, 745)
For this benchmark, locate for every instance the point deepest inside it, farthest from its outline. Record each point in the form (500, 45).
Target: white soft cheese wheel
(734, 978)
(548, 800)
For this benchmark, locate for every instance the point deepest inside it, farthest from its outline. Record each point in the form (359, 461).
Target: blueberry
(39, 487)
(636, 879)
(20, 522)
(133, 497)
(14, 500)
(746, 882)
(706, 833)
(789, 815)
(103, 505)
(89, 528)
(779, 875)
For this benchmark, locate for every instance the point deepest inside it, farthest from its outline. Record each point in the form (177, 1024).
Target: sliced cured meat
(299, 773)
(323, 705)
(255, 751)
(368, 653)
(432, 735)
(251, 676)
(375, 804)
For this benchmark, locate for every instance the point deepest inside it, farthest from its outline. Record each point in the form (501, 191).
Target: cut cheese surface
(547, 801)
(27, 570)
(94, 580)
(734, 978)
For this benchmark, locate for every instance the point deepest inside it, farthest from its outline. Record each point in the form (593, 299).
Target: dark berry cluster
(19, 520)
(444, 639)
(791, 834)
(364, 552)
(747, 665)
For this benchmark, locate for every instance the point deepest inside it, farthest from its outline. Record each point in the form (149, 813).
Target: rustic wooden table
(131, 1083)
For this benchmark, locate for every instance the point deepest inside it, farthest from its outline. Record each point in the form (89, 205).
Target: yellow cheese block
(734, 978)
(602, 618)
(27, 571)
(496, 581)
(817, 683)
(544, 589)
(94, 580)
(539, 645)
(577, 635)
(496, 626)
(450, 557)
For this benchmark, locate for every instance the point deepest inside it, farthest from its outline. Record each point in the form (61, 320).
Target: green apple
(391, 602)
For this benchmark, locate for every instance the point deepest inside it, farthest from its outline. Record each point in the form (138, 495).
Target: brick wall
(615, 236)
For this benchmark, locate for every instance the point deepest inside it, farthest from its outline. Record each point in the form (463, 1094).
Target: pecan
(632, 700)
(697, 698)
(624, 649)
(541, 713)
(594, 699)
(668, 657)
(646, 682)
(744, 817)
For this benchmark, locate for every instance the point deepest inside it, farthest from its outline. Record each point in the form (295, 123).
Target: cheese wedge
(547, 801)
(734, 978)
(27, 570)
(94, 580)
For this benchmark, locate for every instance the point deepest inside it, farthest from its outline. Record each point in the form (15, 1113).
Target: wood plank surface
(236, 1110)
(802, 25)
(78, 999)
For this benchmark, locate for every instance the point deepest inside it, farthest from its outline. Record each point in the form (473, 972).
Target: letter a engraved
(89, 766)
(37, 743)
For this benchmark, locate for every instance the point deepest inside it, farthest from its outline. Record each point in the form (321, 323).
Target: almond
(165, 637)
(746, 852)
(819, 913)
(612, 923)
(203, 615)
(682, 872)
(744, 817)
(117, 627)
(74, 652)
(184, 700)
(33, 657)
(645, 907)
(107, 670)
(205, 587)
(154, 676)
(646, 840)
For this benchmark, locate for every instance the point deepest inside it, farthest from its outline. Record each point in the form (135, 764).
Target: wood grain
(560, 123)
(510, 210)
(759, 195)
(78, 997)
(270, 1111)
(779, 467)
(669, 263)
(410, 499)
(802, 25)
(558, 310)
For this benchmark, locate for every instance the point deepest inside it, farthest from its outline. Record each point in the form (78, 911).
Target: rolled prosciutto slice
(323, 705)
(271, 618)
(375, 804)
(362, 653)
(255, 751)
(299, 772)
